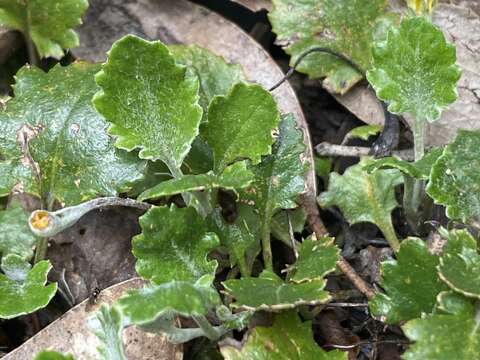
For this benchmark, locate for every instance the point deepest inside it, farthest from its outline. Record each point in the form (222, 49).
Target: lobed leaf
(460, 263)
(411, 284)
(347, 27)
(270, 293)
(414, 70)
(49, 24)
(148, 99)
(451, 333)
(54, 145)
(240, 125)
(24, 297)
(288, 338)
(174, 245)
(455, 180)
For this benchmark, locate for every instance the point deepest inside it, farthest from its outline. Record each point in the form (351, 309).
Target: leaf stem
(389, 232)
(266, 246)
(418, 138)
(209, 330)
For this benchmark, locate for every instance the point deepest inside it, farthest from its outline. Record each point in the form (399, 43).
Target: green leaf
(270, 293)
(53, 355)
(149, 101)
(364, 197)
(235, 176)
(240, 125)
(216, 76)
(460, 264)
(452, 333)
(364, 132)
(419, 170)
(411, 284)
(174, 244)
(414, 70)
(288, 338)
(15, 267)
(54, 144)
(16, 237)
(347, 27)
(48, 23)
(184, 298)
(279, 178)
(323, 165)
(316, 258)
(24, 297)
(280, 226)
(454, 180)
(107, 324)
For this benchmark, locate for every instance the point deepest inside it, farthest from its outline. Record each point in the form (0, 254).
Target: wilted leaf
(48, 23)
(364, 197)
(24, 297)
(315, 259)
(455, 179)
(288, 338)
(414, 70)
(55, 143)
(215, 75)
(53, 355)
(452, 333)
(419, 170)
(107, 324)
(150, 102)
(240, 125)
(411, 284)
(16, 237)
(460, 263)
(270, 293)
(184, 298)
(235, 176)
(347, 27)
(174, 245)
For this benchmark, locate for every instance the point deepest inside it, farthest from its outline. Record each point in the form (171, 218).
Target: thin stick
(328, 149)
(290, 233)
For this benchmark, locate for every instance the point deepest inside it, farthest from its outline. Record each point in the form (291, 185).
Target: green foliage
(107, 324)
(364, 197)
(173, 245)
(414, 70)
(460, 264)
(26, 292)
(348, 27)
(451, 333)
(148, 99)
(53, 144)
(455, 179)
(49, 24)
(288, 338)
(52, 355)
(323, 166)
(411, 284)
(15, 236)
(240, 125)
(364, 132)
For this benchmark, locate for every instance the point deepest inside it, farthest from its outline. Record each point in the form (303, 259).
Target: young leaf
(216, 76)
(452, 333)
(454, 178)
(364, 197)
(55, 143)
(107, 325)
(288, 338)
(240, 125)
(419, 170)
(53, 355)
(315, 259)
(414, 70)
(235, 176)
(24, 297)
(347, 27)
(49, 24)
(364, 132)
(150, 102)
(411, 284)
(184, 298)
(270, 293)
(460, 264)
(16, 237)
(174, 244)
